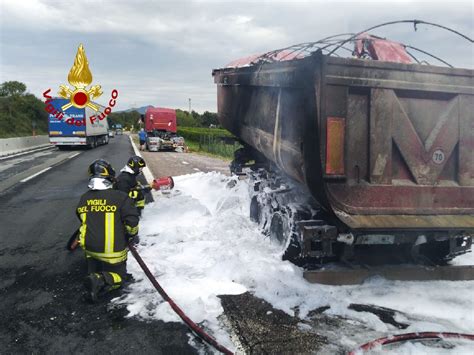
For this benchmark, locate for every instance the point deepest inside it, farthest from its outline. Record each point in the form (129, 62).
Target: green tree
(20, 113)
(208, 118)
(184, 119)
(126, 119)
(12, 88)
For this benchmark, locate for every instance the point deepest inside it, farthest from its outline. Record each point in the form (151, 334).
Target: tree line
(21, 113)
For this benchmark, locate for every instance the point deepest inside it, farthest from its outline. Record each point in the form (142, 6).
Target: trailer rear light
(335, 145)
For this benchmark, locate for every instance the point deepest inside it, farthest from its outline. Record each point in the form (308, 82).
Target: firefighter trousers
(114, 274)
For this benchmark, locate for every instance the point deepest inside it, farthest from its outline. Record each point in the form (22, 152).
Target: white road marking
(74, 155)
(35, 175)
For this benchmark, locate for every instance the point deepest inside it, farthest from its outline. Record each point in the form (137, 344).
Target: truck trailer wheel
(284, 237)
(255, 210)
(92, 143)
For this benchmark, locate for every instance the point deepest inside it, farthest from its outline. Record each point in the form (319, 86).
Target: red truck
(161, 128)
(162, 119)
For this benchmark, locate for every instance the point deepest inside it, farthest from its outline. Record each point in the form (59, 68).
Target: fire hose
(201, 333)
(409, 336)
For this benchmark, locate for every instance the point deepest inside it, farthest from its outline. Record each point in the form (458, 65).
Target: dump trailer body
(381, 146)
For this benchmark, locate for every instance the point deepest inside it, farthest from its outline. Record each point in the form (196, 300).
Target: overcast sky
(162, 53)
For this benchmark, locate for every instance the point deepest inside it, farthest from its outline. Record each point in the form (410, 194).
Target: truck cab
(161, 128)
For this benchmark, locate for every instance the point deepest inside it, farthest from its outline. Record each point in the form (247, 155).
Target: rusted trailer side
(383, 146)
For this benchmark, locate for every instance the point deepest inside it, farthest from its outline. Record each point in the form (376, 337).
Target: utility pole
(189, 105)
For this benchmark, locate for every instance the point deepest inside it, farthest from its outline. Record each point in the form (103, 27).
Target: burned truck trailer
(383, 148)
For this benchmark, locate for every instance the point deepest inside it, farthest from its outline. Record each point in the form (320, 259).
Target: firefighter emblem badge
(80, 77)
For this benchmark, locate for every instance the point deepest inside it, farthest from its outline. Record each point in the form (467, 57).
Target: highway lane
(41, 307)
(21, 168)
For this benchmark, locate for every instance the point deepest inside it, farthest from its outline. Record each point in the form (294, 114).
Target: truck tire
(92, 143)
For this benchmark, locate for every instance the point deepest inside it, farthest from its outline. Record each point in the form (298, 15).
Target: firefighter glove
(133, 239)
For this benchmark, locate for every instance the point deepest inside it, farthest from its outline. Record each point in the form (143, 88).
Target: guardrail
(10, 146)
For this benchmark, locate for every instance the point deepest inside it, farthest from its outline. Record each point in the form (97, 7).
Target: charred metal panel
(424, 146)
(357, 133)
(414, 77)
(426, 158)
(356, 276)
(395, 199)
(420, 144)
(266, 110)
(380, 136)
(402, 221)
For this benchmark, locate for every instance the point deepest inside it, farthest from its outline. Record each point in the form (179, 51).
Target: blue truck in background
(77, 127)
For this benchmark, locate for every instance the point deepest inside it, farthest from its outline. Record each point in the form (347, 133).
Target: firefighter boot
(94, 283)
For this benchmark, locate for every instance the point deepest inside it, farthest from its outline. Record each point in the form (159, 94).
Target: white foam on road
(199, 242)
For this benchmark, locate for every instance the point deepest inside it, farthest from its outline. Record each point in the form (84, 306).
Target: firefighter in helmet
(109, 221)
(128, 183)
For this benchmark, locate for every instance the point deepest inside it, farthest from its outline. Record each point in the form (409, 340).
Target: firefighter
(127, 182)
(108, 222)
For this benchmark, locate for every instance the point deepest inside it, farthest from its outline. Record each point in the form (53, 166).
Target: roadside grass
(210, 141)
(221, 151)
(196, 133)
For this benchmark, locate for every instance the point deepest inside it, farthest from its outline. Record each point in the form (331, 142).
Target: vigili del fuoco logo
(79, 97)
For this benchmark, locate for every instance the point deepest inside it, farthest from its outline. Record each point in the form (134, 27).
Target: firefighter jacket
(107, 217)
(128, 183)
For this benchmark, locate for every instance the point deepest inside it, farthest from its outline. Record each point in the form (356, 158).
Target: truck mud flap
(357, 275)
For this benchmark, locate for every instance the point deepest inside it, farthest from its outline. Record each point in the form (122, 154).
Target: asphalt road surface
(173, 163)
(42, 309)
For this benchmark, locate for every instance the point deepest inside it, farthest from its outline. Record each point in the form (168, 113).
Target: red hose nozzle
(163, 183)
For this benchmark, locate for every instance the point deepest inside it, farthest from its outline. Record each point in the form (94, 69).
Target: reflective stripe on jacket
(106, 217)
(128, 183)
